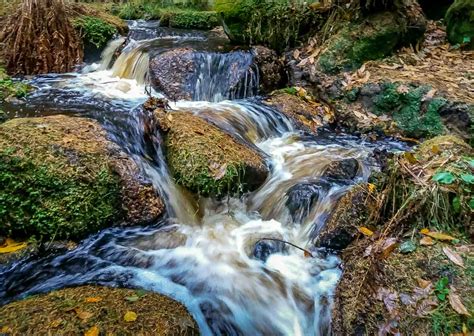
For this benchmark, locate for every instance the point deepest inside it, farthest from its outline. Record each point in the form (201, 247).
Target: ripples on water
(212, 259)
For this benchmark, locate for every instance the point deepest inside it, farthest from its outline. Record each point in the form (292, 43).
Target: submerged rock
(206, 160)
(345, 169)
(307, 115)
(460, 23)
(114, 311)
(63, 179)
(303, 196)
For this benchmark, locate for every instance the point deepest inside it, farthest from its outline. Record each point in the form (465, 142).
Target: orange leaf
(82, 314)
(388, 246)
(94, 331)
(453, 256)
(439, 235)
(55, 323)
(365, 231)
(12, 246)
(93, 299)
(130, 316)
(427, 241)
(424, 231)
(456, 304)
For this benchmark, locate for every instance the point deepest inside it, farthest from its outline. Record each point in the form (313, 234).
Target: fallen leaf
(424, 231)
(12, 246)
(406, 299)
(388, 246)
(426, 307)
(6, 330)
(403, 89)
(169, 117)
(130, 316)
(94, 331)
(439, 236)
(424, 283)
(133, 298)
(82, 314)
(365, 231)
(55, 323)
(389, 298)
(371, 187)
(453, 256)
(93, 299)
(368, 250)
(407, 247)
(427, 241)
(429, 95)
(410, 157)
(456, 304)
(296, 54)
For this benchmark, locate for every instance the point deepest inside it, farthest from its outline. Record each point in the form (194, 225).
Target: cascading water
(216, 261)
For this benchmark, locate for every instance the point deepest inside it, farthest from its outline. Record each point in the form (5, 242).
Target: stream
(209, 254)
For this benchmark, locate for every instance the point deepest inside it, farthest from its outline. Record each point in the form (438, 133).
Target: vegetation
(94, 31)
(460, 23)
(11, 88)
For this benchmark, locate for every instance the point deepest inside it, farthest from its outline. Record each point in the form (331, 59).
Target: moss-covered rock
(10, 88)
(93, 310)
(277, 24)
(206, 160)
(306, 114)
(374, 37)
(460, 23)
(62, 178)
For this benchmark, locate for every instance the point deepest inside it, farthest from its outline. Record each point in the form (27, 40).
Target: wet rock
(205, 159)
(458, 118)
(460, 23)
(374, 37)
(156, 313)
(307, 115)
(171, 73)
(265, 248)
(346, 169)
(63, 179)
(271, 68)
(350, 213)
(303, 196)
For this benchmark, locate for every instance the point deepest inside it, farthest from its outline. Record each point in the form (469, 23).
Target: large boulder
(460, 23)
(94, 310)
(305, 113)
(376, 36)
(63, 179)
(271, 68)
(205, 159)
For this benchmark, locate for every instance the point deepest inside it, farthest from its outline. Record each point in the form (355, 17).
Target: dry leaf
(429, 95)
(456, 303)
(93, 299)
(307, 254)
(426, 307)
(12, 246)
(424, 283)
(296, 54)
(424, 231)
(389, 298)
(365, 231)
(130, 316)
(55, 323)
(94, 331)
(82, 314)
(371, 187)
(427, 241)
(6, 330)
(410, 157)
(388, 246)
(403, 89)
(439, 236)
(453, 256)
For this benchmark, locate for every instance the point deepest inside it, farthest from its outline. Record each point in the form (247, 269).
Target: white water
(205, 256)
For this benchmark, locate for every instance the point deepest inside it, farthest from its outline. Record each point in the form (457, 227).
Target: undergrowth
(11, 88)
(94, 31)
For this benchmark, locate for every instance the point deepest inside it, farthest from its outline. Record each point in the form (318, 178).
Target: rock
(306, 115)
(377, 36)
(171, 73)
(271, 68)
(206, 160)
(458, 119)
(73, 311)
(63, 179)
(350, 213)
(303, 196)
(345, 169)
(265, 248)
(460, 23)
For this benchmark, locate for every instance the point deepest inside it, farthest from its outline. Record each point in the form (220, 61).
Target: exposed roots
(39, 38)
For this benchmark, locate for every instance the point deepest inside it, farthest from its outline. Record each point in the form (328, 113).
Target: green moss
(277, 24)
(94, 31)
(193, 19)
(374, 38)
(11, 88)
(460, 23)
(413, 116)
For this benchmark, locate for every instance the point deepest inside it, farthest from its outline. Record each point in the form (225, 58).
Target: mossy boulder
(307, 114)
(94, 310)
(205, 159)
(460, 23)
(374, 37)
(63, 179)
(276, 24)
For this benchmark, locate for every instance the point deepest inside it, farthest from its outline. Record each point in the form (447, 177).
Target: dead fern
(39, 38)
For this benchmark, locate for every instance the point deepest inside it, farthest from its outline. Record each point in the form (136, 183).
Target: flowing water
(209, 254)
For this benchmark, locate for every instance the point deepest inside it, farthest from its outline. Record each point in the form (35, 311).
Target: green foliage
(444, 177)
(35, 200)
(460, 23)
(94, 30)
(193, 19)
(11, 88)
(415, 116)
(441, 288)
(277, 24)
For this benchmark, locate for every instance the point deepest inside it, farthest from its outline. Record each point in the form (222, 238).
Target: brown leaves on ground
(453, 256)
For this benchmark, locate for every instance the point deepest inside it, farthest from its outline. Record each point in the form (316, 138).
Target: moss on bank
(10, 88)
(97, 310)
(94, 31)
(62, 179)
(460, 23)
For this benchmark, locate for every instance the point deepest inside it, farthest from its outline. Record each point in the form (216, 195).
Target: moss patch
(61, 179)
(10, 88)
(206, 160)
(74, 311)
(94, 31)
(460, 23)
